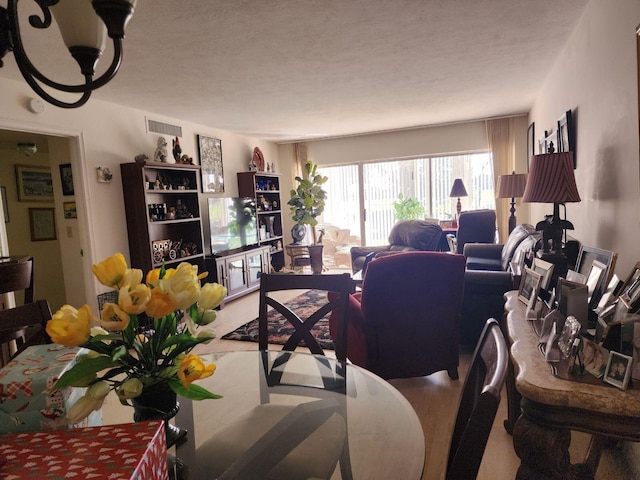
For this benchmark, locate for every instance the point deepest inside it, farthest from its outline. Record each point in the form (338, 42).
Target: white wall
(106, 135)
(596, 77)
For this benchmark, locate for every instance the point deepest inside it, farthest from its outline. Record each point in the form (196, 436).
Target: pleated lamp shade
(551, 179)
(511, 186)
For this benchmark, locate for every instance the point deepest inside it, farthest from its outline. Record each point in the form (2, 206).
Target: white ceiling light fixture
(27, 149)
(83, 27)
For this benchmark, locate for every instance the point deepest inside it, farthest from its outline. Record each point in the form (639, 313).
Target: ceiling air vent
(164, 128)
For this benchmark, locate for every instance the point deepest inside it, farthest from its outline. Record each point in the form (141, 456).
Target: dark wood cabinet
(265, 188)
(163, 214)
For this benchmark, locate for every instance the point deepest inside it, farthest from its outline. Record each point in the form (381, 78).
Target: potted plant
(408, 208)
(307, 203)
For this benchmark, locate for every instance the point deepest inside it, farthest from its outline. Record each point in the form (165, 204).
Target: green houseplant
(408, 208)
(307, 202)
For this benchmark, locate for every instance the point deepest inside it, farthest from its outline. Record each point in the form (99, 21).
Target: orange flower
(193, 368)
(159, 304)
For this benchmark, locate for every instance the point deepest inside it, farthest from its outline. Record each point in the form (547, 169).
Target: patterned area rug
(280, 330)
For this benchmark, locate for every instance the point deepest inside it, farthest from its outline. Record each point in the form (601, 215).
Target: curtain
(501, 141)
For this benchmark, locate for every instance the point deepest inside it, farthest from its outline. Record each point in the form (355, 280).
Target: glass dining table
(383, 435)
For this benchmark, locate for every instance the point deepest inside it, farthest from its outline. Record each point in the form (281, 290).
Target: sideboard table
(551, 407)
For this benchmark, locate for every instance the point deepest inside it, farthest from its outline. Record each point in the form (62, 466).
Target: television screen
(233, 223)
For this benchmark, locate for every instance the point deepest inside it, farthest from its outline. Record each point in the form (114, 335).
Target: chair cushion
(515, 237)
(478, 263)
(417, 234)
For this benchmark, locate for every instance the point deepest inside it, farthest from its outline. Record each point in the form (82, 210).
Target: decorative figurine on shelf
(181, 210)
(161, 154)
(268, 168)
(177, 150)
(141, 158)
(186, 160)
(273, 167)
(258, 159)
(252, 166)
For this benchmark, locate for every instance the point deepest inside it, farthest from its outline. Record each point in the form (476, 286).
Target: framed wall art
(66, 178)
(34, 183)
(70, 210)
(210, 151)
(42, 222)
(5, 205)
(566, 135)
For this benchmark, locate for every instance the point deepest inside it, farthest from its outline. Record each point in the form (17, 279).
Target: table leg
(544, 453)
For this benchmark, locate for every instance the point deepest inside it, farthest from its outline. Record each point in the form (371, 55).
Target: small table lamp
(511, 186)
(551, 180)
(458, 190)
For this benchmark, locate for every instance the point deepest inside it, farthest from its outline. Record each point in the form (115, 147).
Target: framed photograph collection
(566, 135)
(618, 370)
(529, 287)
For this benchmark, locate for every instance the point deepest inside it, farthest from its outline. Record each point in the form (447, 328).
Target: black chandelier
(83, 26)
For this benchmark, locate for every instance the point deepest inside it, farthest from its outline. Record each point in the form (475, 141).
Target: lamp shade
(511, 186)
(551, 179)
(79, 24)
(458, 190)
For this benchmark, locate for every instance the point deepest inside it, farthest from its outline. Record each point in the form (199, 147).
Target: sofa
(487, 278)
(405, 236)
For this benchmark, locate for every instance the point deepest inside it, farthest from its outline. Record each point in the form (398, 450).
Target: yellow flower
(70, 327)
(81, 409)
(205, 317)
(114, 318)
(111, 271)
(182, 286)
(153, 277)
(193, 368)
(159, 304)
(131, 277)
(134, 300)
(131, 388)
(211, 295)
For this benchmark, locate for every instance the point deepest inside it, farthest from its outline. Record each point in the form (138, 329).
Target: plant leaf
(80, 370)
(194, 392)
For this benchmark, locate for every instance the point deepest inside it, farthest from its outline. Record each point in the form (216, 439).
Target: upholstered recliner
(405, 321)
(487, 278)
(475, 226)
(405, 236)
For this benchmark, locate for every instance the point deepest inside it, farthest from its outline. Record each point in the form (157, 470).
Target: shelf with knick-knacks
(163, 214)
(265, 188)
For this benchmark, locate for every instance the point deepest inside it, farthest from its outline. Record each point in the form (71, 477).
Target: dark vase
(315, 257)
(298, 232)
(159, 402)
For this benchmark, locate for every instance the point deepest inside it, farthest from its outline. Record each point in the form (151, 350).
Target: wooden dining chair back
(24, 325)
(16, 276)
(478, 404)
(341, 284)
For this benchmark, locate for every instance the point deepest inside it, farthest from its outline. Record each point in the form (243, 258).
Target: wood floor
(435, 400)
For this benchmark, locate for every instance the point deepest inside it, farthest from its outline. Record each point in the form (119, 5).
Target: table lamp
(458, 190)
(551, 180)
(511, 186)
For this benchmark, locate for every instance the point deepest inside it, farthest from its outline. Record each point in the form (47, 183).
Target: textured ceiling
(304, 69)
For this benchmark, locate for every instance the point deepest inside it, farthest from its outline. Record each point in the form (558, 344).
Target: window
(373, 187)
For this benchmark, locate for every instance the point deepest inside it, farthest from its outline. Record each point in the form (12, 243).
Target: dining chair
(303, 322)
(284, 440)
(16, 275)
(478, 403)
(24, 325)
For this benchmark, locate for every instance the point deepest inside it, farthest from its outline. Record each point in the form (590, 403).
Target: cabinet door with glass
(257, 262)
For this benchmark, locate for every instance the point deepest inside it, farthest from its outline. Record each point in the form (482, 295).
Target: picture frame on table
(34, 183)
(618, 370)
(42, 223)
(566, 135)
(211, 168)
(630, 285)
(529, 287)
(586, 257)
(595, 280)
(594, 357)
(545, 269)
(66, 179)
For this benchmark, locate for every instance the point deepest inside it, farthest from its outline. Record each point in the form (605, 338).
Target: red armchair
(405, 322)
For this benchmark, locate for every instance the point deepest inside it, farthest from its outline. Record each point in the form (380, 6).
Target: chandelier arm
(45, 96)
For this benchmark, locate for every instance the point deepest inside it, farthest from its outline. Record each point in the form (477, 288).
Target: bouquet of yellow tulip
(133, 361)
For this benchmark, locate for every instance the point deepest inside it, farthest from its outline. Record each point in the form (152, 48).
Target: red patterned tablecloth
(129, 451)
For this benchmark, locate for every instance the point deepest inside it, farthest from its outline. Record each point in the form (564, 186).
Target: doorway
(58, 264)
